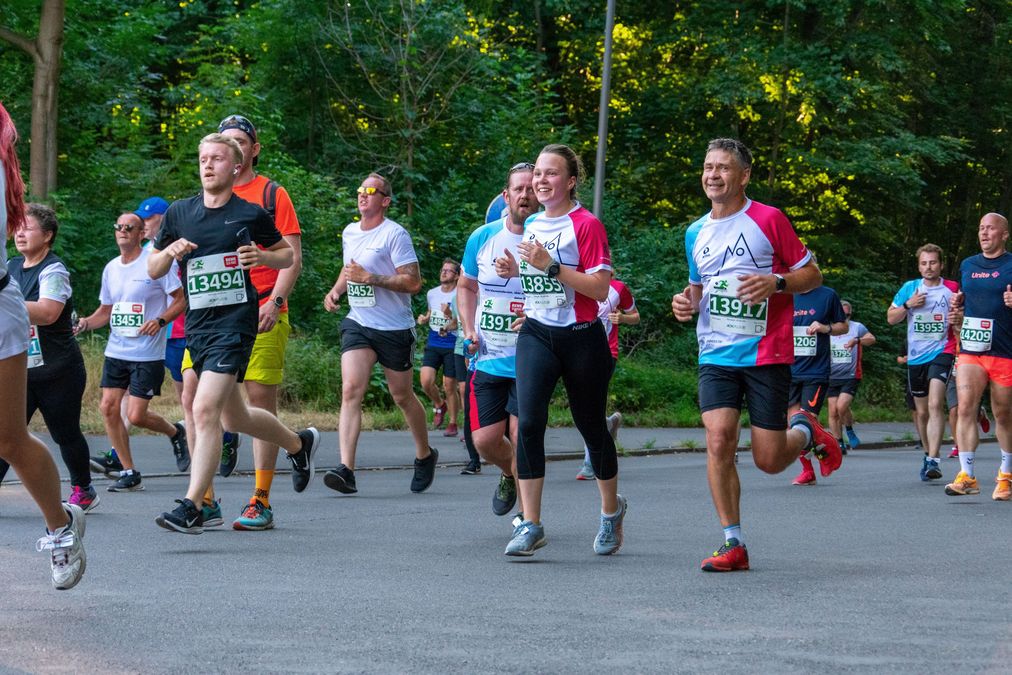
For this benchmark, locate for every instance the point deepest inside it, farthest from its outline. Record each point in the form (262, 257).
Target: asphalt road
(870, 571)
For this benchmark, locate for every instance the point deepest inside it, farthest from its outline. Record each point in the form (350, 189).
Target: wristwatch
(278, 301)
(161, 322)
(553, 270)
(781, 283)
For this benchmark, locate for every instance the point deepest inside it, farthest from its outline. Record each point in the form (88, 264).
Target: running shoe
(518, 520)
(505, 495)
(107, 463)
(527, 538)
(211, 514)
(66, 549)
(728, 558)
(303, 462)
(229, 453)
(451, 430)
(852, 438)
(87, 498)
(471, 468)
(438, 415)
(128, 481)
(954, 453)
(931, 469)
(586, 471)
(184, 518)
(983, 421)
(255, 516)
(962, 485)
(823, 445)
(1003, 487)
(341, 479)
(180, 448)
(843, 446)
(807, 475)
(425, 471)
(614, 422)
(609, 535)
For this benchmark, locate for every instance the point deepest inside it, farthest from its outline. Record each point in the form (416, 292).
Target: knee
(109, 407)
(204, 414)
(403, 397)
(766, 464)
(137, 416)
(1002, 416)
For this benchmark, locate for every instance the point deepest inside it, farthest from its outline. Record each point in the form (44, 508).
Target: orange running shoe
(730, 557)
(962, 485)
(1003, 488)
(807, 475)
(825, 448)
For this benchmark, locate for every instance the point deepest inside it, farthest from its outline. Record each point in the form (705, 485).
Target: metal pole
(602, 116)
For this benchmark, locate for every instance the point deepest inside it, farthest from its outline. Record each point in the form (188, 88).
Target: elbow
(415, 286)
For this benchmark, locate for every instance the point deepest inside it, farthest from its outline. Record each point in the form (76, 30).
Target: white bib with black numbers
(976, 334)
(496, 316)
(541, 290)
(929, 326)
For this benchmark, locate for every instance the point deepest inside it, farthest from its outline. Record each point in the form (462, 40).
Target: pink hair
(15, 197)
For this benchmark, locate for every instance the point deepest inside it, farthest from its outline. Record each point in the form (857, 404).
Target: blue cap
(152, 206)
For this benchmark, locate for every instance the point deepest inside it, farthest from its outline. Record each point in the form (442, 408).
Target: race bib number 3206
(215, 280)
(728, 314)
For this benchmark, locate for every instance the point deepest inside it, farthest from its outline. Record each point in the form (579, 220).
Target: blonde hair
(223, 140)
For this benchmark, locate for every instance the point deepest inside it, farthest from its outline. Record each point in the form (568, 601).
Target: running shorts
(143, 379)
(763, 388)
(174, 348)
(394, 348)
(267, 362)
(493, 399)
(226, 353)
(998, 369)
(847, 386)
(920, 375)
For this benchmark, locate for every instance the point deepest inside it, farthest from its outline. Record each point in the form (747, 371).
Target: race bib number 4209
(728, 314)
(976, 334)
(215, 280)
(361, 295)
(127, 318)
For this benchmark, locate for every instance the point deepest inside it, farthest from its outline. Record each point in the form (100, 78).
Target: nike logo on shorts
(225, 365)
(815, 398)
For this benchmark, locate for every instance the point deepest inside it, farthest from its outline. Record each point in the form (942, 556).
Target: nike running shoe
(527, 538)
(128, 481)
(962, 485)
(211, 514)
(184, 518)
(303, 462)
(807, 475)
(823, 445)
(983, 421)
(425, 471)
(341, 479)
(438, 415)
(954, 453)
(505, 495)
(586, 472)
(180, 448)
(852, 438)
(471, 468)
(1003, 487)
(255, 516)
(609, 535)
(229, 453)
(107, 463)
(730, 557)
(87, 498)
(66, 550)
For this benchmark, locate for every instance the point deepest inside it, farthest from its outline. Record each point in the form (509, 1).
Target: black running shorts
(142, 379)
(394, 348)
(226, 353)
(763, 388)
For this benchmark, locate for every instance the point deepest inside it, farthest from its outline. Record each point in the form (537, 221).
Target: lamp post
(602, 116)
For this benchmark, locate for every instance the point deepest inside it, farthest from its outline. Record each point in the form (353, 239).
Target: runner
(380, 274)
(565, 270)
(439, 347)
(618, 308)
(745, 261)
(267, 362)
(845, 378)
(489, 306)
(137, 312)
(818, 315)
(212, 236)
(982, 308)
(56, 375)
(931, 348)
(65, 523)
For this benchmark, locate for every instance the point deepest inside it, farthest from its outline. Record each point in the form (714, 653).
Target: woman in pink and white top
(565, 270)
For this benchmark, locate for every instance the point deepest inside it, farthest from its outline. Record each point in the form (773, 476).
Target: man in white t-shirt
(439, 347)
(137, 309)
(380, 275)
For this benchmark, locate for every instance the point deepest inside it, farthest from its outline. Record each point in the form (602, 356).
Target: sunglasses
(371, 191)
(124, 228)
(522, 166)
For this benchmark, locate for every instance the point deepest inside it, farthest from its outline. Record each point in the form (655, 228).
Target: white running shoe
(66, 547)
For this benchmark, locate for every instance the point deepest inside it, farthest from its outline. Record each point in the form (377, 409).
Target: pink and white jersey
(619, 299)
(576, 240)
(756, 240)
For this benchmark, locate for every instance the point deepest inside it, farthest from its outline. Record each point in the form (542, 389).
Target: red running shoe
(983, 421)
(807, 475)
(954, 454)
(438, 414)
(730, 557)
(824, 446)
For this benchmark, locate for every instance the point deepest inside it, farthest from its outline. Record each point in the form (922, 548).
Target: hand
(851, 343)
(180, 248)
(81, 326)
(917, 299)
(422, 319)
(150, 328)
(331, 301)
(681, 305)
(442, 331)
(534, 254)
(615, 318)
(955, 317)
(1007, 296)
(815, 328)
(269, 313)
(755, 288)
(902, 360)
(447, 310)
(471, 342)
(519, 321)
(506, 266)
(356, 273)
(249, 256)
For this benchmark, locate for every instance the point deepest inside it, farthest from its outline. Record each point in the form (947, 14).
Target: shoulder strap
(270, 198)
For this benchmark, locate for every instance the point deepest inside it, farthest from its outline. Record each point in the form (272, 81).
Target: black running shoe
(471, 468)
(505, 495)
(107, 463)
(229, 453)
(425, 471)
(180, 449)
(303, 463)
(185, 518)
(127, 482)
(341, 479)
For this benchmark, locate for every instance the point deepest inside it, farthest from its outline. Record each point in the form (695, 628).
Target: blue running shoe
(211, 513)
(924, 469)
(527, 539)
(934, 471)
(852, 438)
(255, 516)
(609, 537)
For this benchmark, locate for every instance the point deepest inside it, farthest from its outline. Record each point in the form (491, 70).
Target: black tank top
(59, 348)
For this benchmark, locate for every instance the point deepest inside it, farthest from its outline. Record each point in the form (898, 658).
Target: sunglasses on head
(522, 166)
(362, 190)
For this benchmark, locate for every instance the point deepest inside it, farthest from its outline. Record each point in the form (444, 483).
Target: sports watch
(781, 283)
(278, 301)
(553, 270)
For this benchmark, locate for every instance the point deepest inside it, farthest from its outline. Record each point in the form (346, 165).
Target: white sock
(1006, 462)
(803, 428)
(733, 532)
(966, 461)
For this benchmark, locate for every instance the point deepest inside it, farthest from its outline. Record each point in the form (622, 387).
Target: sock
(806, 430)
(849, 428)
(966, 461)
(733, 532)
(262, 491)
(114, 455)
(933, 460)
(1006, 462)
(209, 496)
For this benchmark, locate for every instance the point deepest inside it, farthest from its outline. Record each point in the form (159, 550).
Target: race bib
(361, 295)
(34, 348)
(804, 344)
(438, 320)
(542, 291)
(840, 355)
(975, 335)
(929, 326)
(127, 318)
(728, 314)
(215, 280)
(497, 314)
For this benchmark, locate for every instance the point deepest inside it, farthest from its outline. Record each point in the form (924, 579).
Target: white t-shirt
(54, 283)
(136, 298)
(380, 250)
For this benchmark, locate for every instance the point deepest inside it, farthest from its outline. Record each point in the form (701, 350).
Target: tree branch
(19, 41)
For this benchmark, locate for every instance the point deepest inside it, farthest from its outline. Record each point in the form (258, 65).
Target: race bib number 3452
(361, 295)
(728, 314)
(215, 280)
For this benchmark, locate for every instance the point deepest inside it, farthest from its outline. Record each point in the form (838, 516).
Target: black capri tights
(579, 354)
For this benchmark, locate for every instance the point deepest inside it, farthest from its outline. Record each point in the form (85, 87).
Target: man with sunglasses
(379, 276)
(137, 309)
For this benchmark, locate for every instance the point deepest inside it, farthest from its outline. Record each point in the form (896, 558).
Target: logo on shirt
(985, 323)
(803, 312)
(231, 261)
(740, 249)
(197, 264)
(720, 285)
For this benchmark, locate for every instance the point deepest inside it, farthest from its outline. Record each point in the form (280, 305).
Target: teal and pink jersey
(756, 240)
(928, 330)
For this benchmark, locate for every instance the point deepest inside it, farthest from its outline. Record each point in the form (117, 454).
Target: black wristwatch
(906, 306)
(781, 283)
(161, 322)
(278, 301)
(553, 270)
